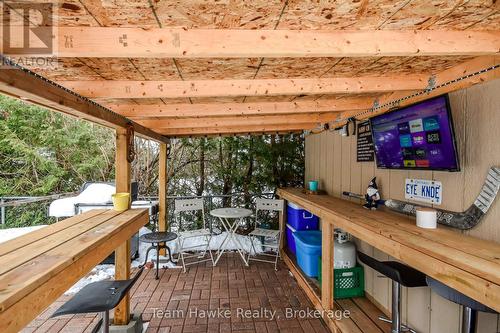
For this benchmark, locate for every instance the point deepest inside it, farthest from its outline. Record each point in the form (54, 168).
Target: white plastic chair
(269, 205)
(184, 206)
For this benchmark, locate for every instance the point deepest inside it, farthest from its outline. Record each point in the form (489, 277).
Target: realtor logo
(27, 28)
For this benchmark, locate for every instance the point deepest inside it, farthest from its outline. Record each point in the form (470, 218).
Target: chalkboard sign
(365, 151)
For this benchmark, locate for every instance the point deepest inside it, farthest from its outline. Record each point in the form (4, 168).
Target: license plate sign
(429, 191)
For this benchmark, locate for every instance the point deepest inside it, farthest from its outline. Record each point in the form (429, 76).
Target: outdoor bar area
(395, 227)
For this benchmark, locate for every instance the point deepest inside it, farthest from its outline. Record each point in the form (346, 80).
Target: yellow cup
(121, 201)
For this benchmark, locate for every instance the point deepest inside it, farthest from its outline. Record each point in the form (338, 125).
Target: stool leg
(396, 307)
(105, 324)
(147, 255)
(469, 320)
(157, 259)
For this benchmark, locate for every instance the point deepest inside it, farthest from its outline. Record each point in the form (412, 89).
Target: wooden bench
(467, 264)
(37, 268)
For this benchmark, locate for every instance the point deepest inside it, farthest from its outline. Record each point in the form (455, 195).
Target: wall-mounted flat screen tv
(419, 136)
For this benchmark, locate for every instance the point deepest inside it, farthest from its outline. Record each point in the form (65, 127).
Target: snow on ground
(7, 234)
(107, 272)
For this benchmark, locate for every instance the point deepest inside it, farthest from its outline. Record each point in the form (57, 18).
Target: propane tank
(344, 250)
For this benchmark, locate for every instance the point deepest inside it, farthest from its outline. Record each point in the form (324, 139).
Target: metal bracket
(431, 83)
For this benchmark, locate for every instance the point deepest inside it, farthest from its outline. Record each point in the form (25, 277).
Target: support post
(162, 191)
(122, 253)
(2, 213)
(327, 265)
(282, 228)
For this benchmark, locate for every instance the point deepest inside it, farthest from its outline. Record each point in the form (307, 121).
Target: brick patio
(229, 286)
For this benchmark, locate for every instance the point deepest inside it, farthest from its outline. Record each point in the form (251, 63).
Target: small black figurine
(372, 196)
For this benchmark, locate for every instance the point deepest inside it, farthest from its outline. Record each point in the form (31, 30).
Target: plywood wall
(331, 159)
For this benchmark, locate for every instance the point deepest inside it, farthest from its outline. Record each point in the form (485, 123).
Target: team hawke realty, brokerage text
(262, 313)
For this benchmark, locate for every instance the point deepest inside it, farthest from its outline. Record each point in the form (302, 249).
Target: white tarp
(93, 194)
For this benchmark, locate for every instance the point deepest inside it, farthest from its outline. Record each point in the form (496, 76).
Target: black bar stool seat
(101, 296)
(401, 275)
(396, 271)
(470, 306)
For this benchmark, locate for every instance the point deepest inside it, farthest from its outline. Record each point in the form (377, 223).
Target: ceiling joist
(240, 129)
(239, 109)
(169, 123)
(238, 43)
(234, 88)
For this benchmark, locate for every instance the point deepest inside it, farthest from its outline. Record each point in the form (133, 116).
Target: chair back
(268, 205)
(189, 206)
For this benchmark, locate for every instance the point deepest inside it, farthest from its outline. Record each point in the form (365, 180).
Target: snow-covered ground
(106, 272)
(7, 234)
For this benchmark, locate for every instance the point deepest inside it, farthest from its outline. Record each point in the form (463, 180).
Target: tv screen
(419, 136)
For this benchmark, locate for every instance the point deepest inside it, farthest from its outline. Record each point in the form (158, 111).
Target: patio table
(230, 218)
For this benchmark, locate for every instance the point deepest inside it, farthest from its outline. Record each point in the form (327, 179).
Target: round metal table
(230, 218)
(158, 240)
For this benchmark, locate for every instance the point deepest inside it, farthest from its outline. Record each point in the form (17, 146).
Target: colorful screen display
(419, 136)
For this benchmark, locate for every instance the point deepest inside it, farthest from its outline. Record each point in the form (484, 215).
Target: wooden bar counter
(37, 268)
(467, 264)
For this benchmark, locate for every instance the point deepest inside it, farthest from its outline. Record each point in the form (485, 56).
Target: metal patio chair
(192, 207)
(268, 205)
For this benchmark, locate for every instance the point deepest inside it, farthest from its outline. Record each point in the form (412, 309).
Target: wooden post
(122, 253)
(282, 228)
(162, 191)
(327, 265)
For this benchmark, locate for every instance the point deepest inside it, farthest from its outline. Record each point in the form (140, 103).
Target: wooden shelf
(363, 313)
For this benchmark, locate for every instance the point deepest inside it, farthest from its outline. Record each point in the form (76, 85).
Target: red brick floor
(180, 302)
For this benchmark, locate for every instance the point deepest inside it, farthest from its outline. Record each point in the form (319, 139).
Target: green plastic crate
(348, 282)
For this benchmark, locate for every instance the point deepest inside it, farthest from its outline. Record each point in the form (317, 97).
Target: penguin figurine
(372, 195)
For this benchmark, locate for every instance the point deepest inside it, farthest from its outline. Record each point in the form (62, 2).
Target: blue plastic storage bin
(290, 240)
(308, 244)
(300, 219)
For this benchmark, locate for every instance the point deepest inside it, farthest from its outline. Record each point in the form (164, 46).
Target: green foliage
(43, 152)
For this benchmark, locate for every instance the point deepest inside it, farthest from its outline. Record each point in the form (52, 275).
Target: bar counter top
(465, 263)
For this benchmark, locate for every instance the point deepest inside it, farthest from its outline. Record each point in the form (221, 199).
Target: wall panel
(476, 113)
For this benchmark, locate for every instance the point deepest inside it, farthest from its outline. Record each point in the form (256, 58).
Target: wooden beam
(241, 129)
(169, 123)
(234, 88)
(162, 190)
(22, 84)
(240, 109)
(122, 253)
(239, 43)
(450, 76)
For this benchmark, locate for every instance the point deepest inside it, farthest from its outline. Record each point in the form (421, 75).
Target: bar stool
(157, 239)
(101, 296)
(401, 275)
(470, 307)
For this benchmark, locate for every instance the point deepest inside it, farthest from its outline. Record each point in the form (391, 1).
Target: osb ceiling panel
(155, 69)
(279, 68)
(425, 14)
(110, 68)
(474, 14)
(199, 69)
(256, 14)
(124, 13)
(64, 69)
(332, 14)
